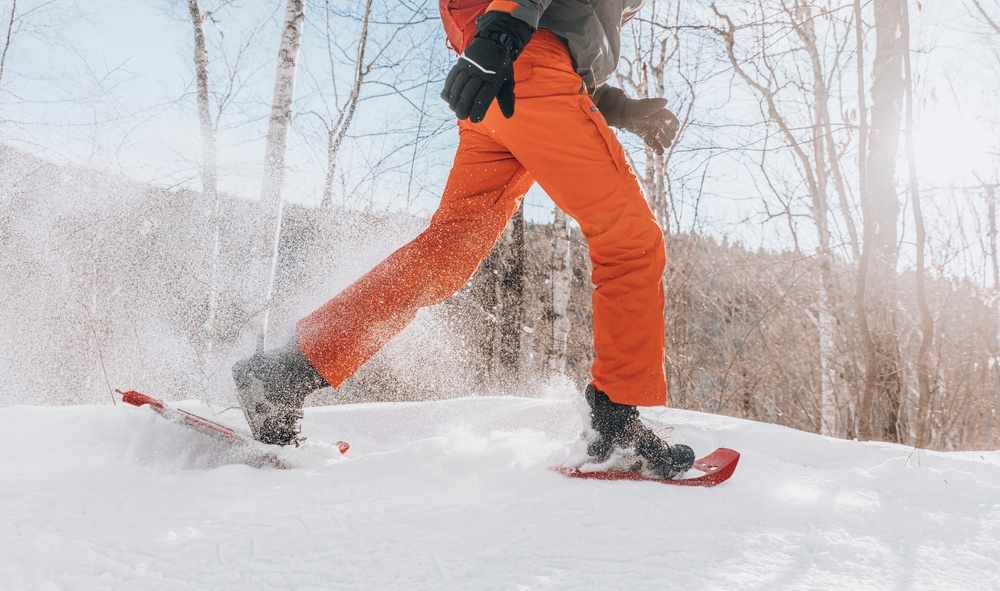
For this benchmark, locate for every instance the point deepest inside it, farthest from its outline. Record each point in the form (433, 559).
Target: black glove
(646, 118)
(486, 69)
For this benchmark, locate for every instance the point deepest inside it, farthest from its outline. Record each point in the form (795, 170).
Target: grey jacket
(591, 28)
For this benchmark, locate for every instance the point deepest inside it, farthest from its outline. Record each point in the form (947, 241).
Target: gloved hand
(646, 118)
(485, 70)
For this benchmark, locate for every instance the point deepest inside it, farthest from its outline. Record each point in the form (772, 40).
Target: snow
(456, 494)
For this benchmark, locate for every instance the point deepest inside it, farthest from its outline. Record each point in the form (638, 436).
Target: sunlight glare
(951, 148)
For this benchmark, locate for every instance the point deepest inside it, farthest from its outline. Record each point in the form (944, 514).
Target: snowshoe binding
(624, 441)
(272, 387)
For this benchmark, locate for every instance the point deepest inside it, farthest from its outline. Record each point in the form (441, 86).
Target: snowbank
(456, 495)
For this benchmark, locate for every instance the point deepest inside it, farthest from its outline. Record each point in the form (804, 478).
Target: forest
(828, 207)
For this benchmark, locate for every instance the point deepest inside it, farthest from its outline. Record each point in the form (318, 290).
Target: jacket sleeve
(599, 92)
(529, 11)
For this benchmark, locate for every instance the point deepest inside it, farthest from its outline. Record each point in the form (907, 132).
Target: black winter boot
(618, 427)
(271, 387)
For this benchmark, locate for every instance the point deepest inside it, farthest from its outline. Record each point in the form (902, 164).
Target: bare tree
(277, 141)
(924, 381)
(990, 20)
(499, 293)
(653, 71)
(512, 295)
(209, 183)
(337, 132)
(888, 91)
(281, 106)
(991, 204)
(774, 70)
(990, 186)
(870, 352)
(10, 37)
(561, 276)
(209, 151)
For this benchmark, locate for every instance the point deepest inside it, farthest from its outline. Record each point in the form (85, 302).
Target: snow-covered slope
(456, 495)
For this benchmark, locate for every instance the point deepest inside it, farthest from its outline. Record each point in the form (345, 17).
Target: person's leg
(484, 190)
(558, 135)
(566, 145)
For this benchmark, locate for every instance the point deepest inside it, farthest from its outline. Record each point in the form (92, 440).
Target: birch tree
(828, 171)
(785, 67)
(277, 142)
(208, 133)
(209, 174)
(560, 279)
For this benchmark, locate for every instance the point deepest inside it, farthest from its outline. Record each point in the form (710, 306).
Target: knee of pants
(449, 258)
(639, 245)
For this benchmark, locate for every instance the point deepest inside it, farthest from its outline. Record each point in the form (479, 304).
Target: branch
(100, 354)
(993, 24)
(767, 94)
(10, 34)
(339, 130)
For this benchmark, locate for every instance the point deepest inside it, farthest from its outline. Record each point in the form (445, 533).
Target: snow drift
(456, 494)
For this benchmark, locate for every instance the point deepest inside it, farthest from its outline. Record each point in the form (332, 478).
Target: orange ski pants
(558, 138)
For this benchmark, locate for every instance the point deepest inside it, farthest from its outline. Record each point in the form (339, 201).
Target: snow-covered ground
(457, 495)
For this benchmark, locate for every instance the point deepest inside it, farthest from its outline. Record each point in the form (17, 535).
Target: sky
(108, 84)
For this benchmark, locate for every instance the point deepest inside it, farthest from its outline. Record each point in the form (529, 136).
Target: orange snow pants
(558, 138)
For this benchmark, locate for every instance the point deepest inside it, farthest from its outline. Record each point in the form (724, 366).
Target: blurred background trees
(829, 209)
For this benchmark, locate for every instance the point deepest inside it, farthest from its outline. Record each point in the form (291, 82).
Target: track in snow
(457, 495)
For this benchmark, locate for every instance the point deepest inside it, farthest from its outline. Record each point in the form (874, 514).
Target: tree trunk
(888, 89)
(802, 19)
(209, 170)
(10, 36)
(868, 225)
(281, 107)
(277, 143)
(208, 142)
(991, 202)
(560, 280)
(499, 293)
(924, 381)
(512, 296)
(335, 135)
(829, 411)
